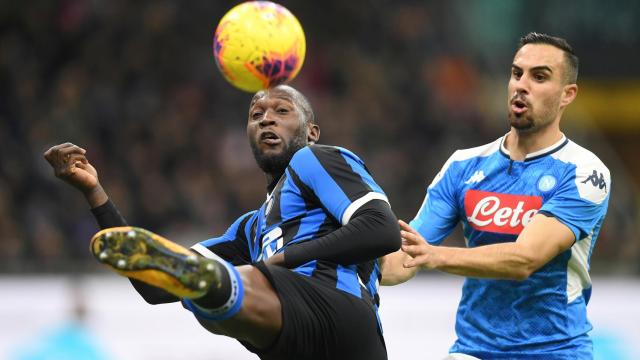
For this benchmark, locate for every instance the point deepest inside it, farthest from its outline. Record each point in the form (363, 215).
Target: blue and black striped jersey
(321, 189)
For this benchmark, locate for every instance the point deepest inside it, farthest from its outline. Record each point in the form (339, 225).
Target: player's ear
(313, 133)
(569, 93)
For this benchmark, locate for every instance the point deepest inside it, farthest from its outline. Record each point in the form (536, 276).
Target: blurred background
(401, 83)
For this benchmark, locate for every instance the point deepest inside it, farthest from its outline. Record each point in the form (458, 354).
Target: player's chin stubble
(275, 164)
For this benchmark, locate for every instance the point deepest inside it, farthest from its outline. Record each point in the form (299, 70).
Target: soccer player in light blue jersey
(531, 204)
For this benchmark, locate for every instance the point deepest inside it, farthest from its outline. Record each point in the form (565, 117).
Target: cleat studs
(202, 284)
(131, 234)
(192, 259)
(108, 235)
(103, 255)
(210, 267)
(121, 263)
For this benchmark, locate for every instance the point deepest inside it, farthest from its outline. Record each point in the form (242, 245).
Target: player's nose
(268, 118)
(522, 85)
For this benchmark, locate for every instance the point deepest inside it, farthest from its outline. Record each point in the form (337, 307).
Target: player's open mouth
(270, 138)
(519, 106)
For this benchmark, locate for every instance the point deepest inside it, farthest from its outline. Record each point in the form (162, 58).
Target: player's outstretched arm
(70, 164)
(541, 240)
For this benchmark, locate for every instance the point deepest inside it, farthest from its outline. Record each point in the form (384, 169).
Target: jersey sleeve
(582, 198)
(232, 246)
(438, 214)
(336, 177)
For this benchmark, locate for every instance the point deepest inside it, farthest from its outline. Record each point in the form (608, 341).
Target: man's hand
(70, 164)
(422, 254)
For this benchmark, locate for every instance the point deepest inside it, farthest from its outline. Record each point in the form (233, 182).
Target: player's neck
(519, 144)
(272, 180)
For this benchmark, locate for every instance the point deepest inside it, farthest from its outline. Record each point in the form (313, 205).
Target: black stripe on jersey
(334, 163)
(311, 200)
(290, 229)
(364, 272)
(272, 208)
(326, 272)
(252, 231)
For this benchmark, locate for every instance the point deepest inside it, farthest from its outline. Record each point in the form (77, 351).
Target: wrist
(96, 196)
(439, 258)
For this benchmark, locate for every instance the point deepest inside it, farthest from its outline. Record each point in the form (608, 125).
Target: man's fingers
(73, 158)
(410, 238)
(73, 149)
(54, 149)
(406, 227)
(411, 250)
(63, 155)
(410, 263)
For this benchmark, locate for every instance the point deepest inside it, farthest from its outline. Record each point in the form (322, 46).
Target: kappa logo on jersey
(476, 177)
(596, 180)
(500, 213)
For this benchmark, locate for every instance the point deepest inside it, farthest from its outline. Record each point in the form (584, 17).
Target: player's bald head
(296, 97)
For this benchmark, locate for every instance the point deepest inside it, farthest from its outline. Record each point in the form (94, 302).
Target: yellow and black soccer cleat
(140, 254)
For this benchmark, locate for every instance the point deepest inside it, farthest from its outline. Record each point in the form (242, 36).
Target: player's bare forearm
(540, 241)
(393, 271)
(497, 261)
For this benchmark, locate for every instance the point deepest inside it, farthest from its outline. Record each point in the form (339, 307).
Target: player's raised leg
(236, 302)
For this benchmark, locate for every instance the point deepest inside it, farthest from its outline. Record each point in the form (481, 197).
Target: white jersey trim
(592, 177)
(546, 150)
(202, 250)
(578, 277)
(351, 209)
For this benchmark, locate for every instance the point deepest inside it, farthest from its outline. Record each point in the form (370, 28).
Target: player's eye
(516, 73)
(256, 115)
(282, 110)
(539, 77)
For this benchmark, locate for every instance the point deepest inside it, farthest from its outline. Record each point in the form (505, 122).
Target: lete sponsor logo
(500, 213)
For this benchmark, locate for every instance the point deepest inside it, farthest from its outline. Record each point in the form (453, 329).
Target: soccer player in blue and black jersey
(295, 279)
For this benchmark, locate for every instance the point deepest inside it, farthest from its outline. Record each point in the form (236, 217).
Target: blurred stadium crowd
(402, 84)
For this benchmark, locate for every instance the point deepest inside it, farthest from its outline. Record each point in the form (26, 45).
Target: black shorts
(320, 322)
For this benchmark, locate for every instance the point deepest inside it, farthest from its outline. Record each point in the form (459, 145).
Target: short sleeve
(581, 200)
(438, 214)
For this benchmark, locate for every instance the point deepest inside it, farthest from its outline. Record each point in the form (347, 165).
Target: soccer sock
(224, 299)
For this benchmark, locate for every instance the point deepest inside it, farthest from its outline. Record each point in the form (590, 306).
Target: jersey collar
(536, 154)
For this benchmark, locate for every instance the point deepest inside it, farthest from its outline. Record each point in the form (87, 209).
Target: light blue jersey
(494, 197)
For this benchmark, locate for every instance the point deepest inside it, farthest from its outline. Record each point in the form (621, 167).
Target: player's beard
(521, 123)
(275, 164)
(531, 122)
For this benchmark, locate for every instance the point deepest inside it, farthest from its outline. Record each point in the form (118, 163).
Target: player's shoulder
(469, 155)
(322, 154)
(581, 157)
(478, 151)
(244, 218)
(591, 176)
(462, 161)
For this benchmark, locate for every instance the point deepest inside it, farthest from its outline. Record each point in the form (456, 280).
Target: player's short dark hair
(306, 108)
(570, 56)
